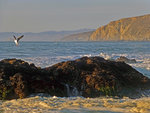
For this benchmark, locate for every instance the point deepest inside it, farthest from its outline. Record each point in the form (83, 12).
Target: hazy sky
(46, 15)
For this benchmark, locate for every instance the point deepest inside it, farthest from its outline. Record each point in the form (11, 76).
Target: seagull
(16, 40)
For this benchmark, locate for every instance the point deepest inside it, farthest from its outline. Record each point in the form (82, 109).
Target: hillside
(126, 29)
(130, 29)
(41, 36)
(78, 37)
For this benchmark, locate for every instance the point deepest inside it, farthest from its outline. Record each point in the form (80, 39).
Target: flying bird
(16, 40)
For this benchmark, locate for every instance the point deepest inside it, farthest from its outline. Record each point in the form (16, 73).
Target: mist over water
(45, 54)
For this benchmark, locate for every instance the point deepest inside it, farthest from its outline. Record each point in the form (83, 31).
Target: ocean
(44, 54)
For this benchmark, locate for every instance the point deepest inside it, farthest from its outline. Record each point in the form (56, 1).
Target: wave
(55, 104)
(48, 61)
(142, 65)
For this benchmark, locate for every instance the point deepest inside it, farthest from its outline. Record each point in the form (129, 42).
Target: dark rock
(19, 84)
(94, 77)
(126, 60)
(88, 77)
(18, 79)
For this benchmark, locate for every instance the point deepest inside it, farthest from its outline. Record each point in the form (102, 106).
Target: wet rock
(18, 79)
(125, 59)
(19, 84)
(95, 76)
(86, 76)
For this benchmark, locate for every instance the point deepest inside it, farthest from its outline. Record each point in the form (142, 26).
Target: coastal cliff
(127, 29)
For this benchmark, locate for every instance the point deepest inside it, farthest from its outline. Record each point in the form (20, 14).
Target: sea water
(45, 54)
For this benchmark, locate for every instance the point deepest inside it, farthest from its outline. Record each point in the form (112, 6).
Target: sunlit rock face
(129, 29)
(86, 76)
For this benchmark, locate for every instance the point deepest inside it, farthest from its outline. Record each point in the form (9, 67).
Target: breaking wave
(55, 104)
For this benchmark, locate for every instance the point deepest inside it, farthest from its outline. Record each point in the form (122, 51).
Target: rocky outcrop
(18, 79)
(87, 76)
(94, 77)
(125, 59)
(130, 29)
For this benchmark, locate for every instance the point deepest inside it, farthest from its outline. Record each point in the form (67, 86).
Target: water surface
(45, 54)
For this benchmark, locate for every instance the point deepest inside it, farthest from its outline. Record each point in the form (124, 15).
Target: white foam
(76, 104)
(105, 56)
(48, 61)
(143, 60)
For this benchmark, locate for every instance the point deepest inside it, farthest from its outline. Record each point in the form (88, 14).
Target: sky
(58, 15)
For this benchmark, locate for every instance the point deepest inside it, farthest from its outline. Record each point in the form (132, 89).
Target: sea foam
(76, 104)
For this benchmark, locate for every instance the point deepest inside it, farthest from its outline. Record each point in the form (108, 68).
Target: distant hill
(42, 36)
(126, 29)
(85, 36)
(130, 29)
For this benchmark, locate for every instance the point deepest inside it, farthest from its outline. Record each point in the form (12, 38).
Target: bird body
(16, 40)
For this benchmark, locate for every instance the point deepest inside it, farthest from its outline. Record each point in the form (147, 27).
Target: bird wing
(19, 37)
(14, 37)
